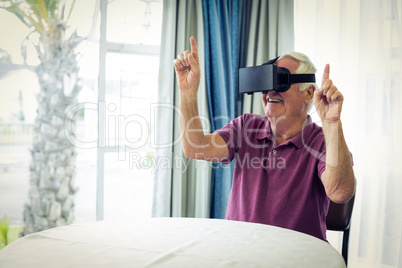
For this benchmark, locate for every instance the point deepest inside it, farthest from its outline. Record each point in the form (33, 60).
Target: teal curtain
(221, 32)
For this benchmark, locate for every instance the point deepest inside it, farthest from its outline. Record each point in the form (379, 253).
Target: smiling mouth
(274, 100)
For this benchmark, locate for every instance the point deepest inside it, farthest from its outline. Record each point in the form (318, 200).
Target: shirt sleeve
(318, 149)
(321, 165)
(231, 134)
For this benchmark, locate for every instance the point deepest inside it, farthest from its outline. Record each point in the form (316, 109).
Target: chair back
(338, 219)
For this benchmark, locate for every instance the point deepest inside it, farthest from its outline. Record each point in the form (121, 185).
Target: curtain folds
(181, 186)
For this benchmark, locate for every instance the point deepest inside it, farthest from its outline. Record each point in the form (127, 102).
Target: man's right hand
(187, 69)
(196, 144)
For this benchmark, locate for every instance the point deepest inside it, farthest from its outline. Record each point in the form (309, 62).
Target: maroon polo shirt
(278, 185)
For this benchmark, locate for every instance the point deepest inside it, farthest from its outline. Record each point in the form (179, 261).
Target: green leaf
(4, 224)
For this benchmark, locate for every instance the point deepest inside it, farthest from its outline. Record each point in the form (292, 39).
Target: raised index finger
(194, 48)
(325, 76)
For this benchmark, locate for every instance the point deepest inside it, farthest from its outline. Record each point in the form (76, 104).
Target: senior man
(287, 167)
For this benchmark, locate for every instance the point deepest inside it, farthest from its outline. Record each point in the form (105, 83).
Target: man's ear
(309, 93)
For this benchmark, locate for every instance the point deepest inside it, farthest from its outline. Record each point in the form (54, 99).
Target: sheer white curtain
(362, 40)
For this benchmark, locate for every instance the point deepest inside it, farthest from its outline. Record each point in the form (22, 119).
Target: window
(129, 63)
(119, 68)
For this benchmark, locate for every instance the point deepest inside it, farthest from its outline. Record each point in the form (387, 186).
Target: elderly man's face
(290, 103)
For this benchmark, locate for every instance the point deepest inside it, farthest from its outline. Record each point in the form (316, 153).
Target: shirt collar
(265, 131)
(297, 140)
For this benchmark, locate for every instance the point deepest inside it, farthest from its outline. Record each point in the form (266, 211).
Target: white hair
(305, 67)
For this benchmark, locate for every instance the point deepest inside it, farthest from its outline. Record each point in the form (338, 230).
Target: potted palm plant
(52, 169)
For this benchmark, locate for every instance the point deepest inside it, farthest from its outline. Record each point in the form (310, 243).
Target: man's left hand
(328, 99)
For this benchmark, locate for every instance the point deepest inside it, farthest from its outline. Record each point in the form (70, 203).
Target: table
(169, 242)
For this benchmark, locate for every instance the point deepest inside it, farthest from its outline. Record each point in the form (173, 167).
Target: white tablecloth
(169, 242)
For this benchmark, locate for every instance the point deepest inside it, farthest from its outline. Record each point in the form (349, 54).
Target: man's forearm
(338, 177)
(193, 138)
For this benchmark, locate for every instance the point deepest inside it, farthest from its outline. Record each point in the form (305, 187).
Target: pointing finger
(325, 76)
(194, 49)
(194, 64)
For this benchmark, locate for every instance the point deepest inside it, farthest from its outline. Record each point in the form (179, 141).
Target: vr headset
(269, 77)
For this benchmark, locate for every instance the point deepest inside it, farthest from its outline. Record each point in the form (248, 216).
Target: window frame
(106, 47)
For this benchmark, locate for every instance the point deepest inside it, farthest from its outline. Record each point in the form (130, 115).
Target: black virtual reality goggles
(269, 77)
